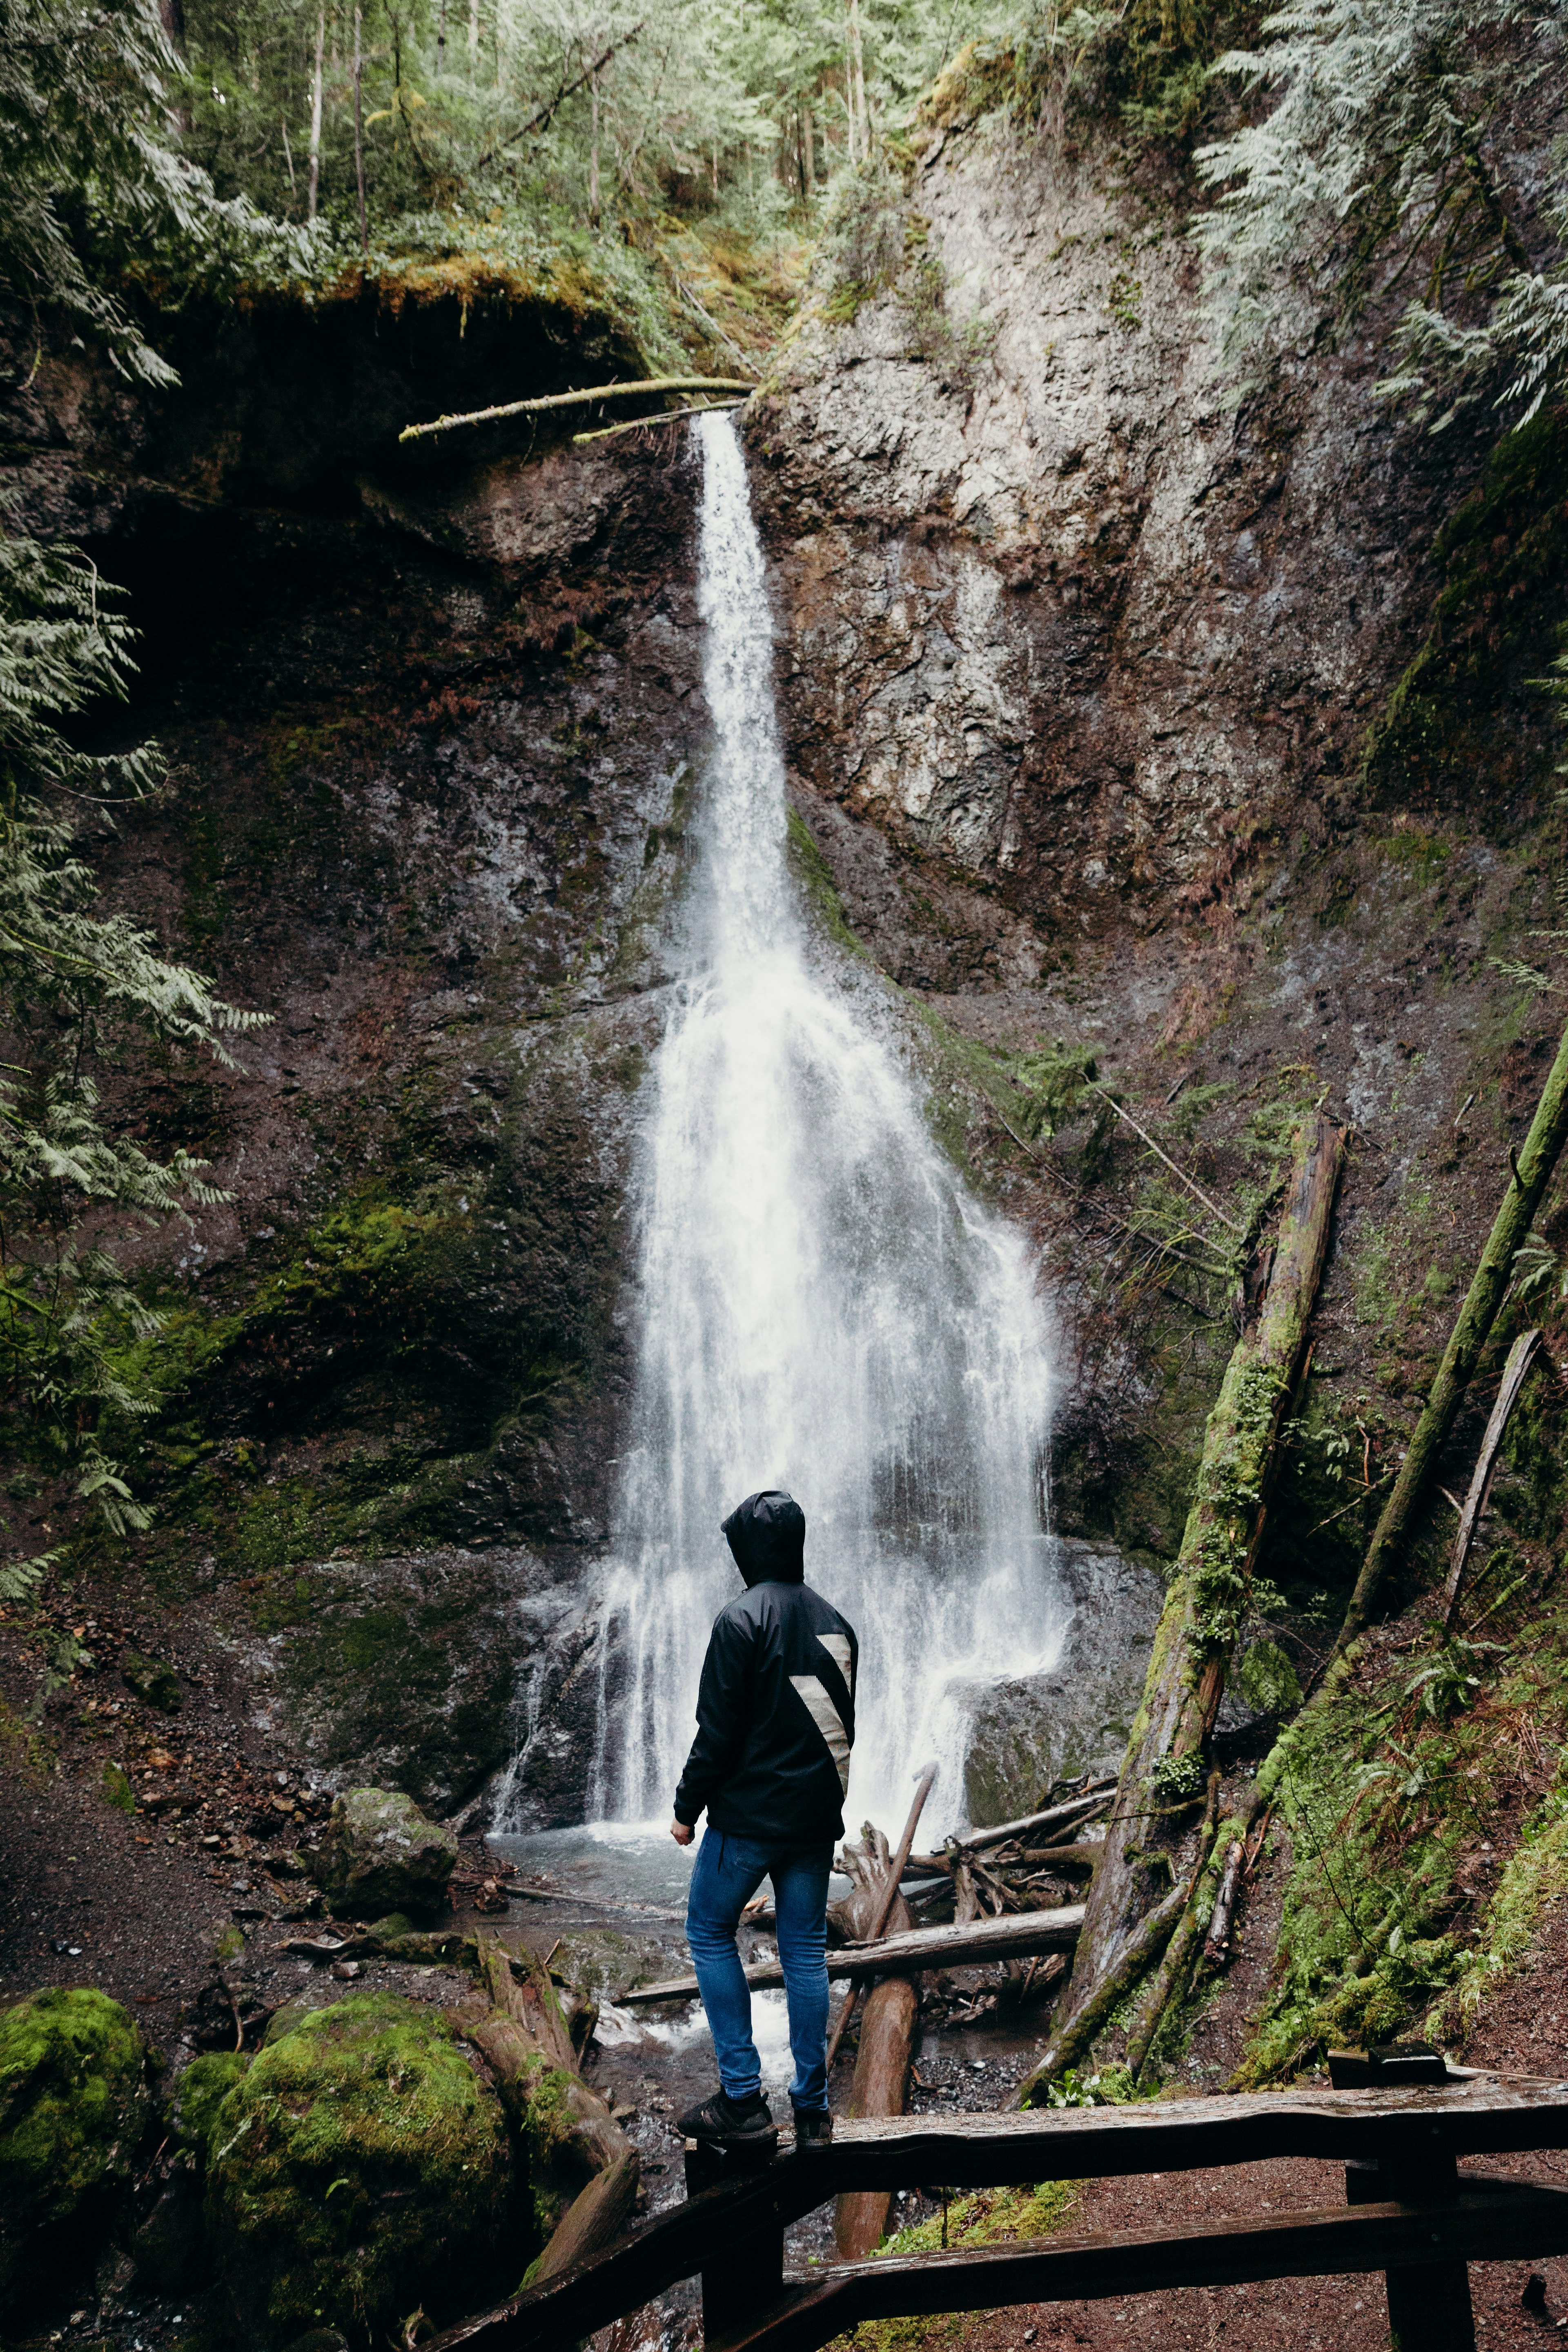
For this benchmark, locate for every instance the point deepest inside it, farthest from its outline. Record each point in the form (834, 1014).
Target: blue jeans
(727, 1874)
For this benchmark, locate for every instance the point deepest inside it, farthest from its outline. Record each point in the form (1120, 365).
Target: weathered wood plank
(1017, 1936)
(1481, 2116)
(1528, 2223)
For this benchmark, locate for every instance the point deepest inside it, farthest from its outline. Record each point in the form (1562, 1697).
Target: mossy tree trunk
(1164, 1772)
(1529, 1174)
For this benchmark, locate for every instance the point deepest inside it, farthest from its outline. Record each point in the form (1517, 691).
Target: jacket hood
(766, 1533)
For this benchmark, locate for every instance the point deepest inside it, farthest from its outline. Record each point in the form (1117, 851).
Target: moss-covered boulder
(73, 2104)
(380, 1854)
(361, 2168)
(199, 2094)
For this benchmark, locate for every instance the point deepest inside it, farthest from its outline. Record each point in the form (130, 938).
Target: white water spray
(822, 1305)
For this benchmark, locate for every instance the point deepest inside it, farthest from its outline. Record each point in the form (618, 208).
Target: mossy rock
(361, 2168)
(380, 1853)
(604, 1962)
(73, 2104)
(199, 2093)
(155, 1684)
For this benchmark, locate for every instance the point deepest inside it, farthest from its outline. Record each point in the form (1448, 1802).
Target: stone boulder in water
(1028, 1732)
(380, 1853)
(73, 2103)
(358, 2170)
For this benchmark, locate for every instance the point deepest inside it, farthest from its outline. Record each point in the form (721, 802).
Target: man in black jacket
(775, 1722)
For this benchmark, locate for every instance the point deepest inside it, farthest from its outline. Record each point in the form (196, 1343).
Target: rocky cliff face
(1196, 734)
(1058, 614)
(1085, 680)
(432, 726)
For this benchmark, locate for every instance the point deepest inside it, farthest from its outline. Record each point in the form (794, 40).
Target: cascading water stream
(823, 1306)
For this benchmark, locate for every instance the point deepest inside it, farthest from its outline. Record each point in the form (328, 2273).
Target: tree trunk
(313, 186)
(808, 135)
(359, 134)
(1530, 1174)
(859, 138)
(593, 150)
(474, 30)
(1520, 1356)
(1163, 1773)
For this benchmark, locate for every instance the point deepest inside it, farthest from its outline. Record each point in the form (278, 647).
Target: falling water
(823, 1304)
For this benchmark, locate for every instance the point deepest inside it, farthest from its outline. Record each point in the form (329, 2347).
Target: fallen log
(881, 2081)
(881, 2087)
(1530, 1172)
(593, 2221)
(888, 1905)
(1070, 2039)
(1083, 1856)
(578, 400)
(1217, 1943)
(1081, 1808)
(976, 1940)
(1163, 1773)
(581, 2161)
(643, 423)
(519, 1987)
(1170, 1975)
(1231, 1839)
(1520, 1356)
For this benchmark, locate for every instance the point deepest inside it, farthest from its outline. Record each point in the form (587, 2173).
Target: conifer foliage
(1403, 155)
(88, 174)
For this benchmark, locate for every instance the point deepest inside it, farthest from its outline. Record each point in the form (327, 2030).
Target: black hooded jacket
(776, 1711)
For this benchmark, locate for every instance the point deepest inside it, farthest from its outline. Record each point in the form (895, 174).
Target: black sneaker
(724, 2122)
(813, 2127)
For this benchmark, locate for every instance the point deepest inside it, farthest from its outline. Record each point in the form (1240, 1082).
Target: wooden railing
(1410, 2213)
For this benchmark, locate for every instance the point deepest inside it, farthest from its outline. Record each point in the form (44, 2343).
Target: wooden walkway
(1410, 2213)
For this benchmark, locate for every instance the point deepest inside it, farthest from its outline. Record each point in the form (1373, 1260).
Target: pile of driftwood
(1003, 1889)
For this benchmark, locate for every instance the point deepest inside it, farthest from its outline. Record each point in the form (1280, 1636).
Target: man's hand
(682, 1833)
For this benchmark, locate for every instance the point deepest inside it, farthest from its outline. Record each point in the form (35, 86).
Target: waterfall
(821, 1303)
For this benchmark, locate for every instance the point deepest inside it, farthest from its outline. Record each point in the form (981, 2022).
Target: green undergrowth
(989, 2217)
(1395, 1792)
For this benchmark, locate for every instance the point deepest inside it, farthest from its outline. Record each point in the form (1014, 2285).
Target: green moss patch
(361, 2168)
(990, 2217)
(73, 2102)
(199, 2094)
(1393, 1793)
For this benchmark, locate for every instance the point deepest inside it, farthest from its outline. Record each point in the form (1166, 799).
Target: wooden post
(743, 2273)
(1429, 2308)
